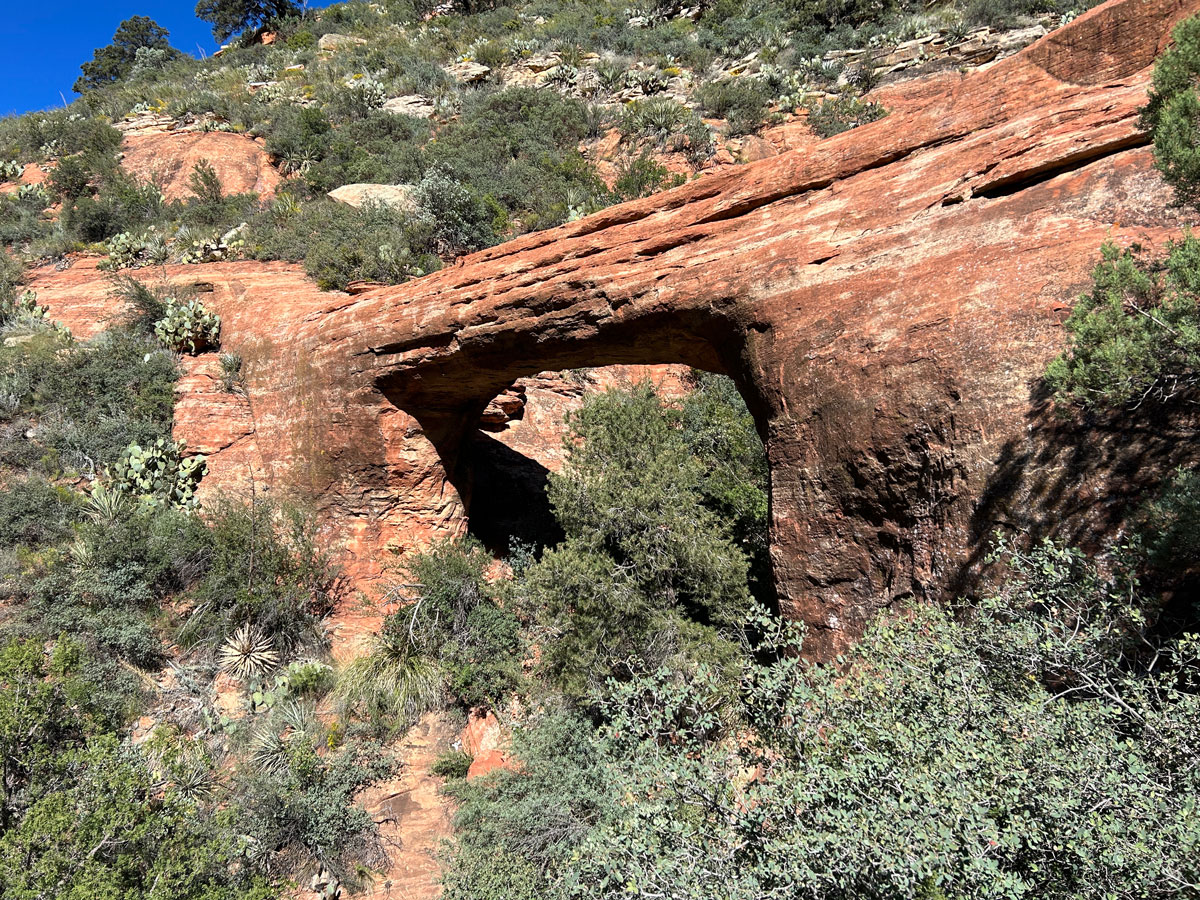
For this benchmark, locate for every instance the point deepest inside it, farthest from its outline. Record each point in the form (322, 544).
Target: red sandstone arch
(886, 302)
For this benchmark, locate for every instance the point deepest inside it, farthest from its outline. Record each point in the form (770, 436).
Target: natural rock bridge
(886, 302)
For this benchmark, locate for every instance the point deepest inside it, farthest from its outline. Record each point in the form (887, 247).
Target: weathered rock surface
(167, 158)
(399, 196)
(412, 817)
(333, 42)
(410, 105)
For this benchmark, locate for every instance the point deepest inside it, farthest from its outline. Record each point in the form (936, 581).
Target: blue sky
(45, 42)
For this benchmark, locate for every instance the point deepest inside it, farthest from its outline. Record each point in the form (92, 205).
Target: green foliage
(518, 146)
(1136, 335)
(1173, 114)
(188, 325)
(34, 512)
(391, 683)
(90, 400)
(49, 703)
(1170, 526)
(939, 764)
(462, 222)
(339, 244)
(452, 764)
(299, 813)
(230, 17)
(112, 832)
(831, 117)
(647, 572)
(58, 133)
(720, 433)
(742, 102)
(144, 305)
(114, 62)
(160, 473)
(642, 176)
(264, 569)
(519, 832)
(453, 620)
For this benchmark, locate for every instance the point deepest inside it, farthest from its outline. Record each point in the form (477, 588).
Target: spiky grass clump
(392, 680)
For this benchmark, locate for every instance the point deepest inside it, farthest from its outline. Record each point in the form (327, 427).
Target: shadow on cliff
(508, 496)
(1076, 478)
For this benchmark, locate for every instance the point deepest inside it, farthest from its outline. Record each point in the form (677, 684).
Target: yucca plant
(393, 679)
(248, 653)
(105, 505)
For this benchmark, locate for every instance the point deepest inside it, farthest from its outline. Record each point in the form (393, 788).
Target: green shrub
(264, 569)
(643, 176)
(34, 512)
(453, 620)
(519, 146)
(742, 102)
(300, 809)
(461, 221)
(518, 833)
(44, 135)
(112, 830)
(230, 17)
(831, 117)
(339, 244)
(1135, 335)
(1024, 754)
(452, 764)
(91, 399)
(188, 325)
(647, 572)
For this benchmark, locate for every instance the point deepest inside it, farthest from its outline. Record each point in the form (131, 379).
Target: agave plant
(248, 653)
(268, 750)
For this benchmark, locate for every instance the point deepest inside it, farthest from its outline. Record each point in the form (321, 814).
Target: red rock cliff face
(886, 300)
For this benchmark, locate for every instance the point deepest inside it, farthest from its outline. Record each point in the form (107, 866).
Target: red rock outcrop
(886, 300)
(167, 159)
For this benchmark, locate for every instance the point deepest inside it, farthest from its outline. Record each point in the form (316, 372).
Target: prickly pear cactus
(159, 474)
(188, 326)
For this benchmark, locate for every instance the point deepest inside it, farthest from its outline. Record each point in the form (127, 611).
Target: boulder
(410, 105)
(333, 42)
(398, 196)
(467, 72)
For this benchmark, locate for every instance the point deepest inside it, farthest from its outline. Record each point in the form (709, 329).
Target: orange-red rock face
(167, 159)
(886, 299)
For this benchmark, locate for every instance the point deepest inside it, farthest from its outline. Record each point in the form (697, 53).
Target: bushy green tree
(647, 571)
(114, 62)
(1173, 113)
(1136, 335)
(230, 17)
